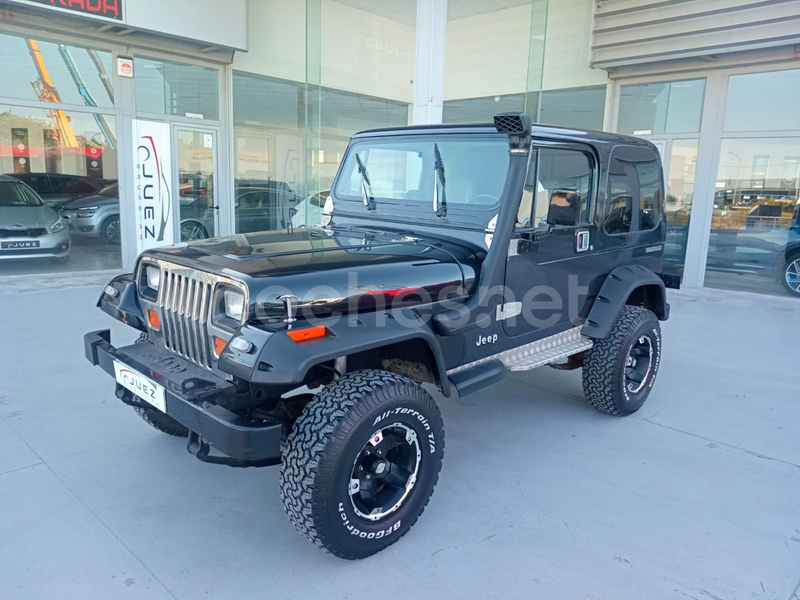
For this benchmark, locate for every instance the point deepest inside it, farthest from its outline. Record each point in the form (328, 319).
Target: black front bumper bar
(191, 393)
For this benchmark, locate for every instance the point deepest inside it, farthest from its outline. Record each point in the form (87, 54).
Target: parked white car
(307, 213)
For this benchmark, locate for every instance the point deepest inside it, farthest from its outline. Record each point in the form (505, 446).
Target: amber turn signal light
(152, 318)
(307, 333)
(219, 345)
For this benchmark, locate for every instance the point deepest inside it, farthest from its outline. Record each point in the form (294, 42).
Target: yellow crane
(47, 92)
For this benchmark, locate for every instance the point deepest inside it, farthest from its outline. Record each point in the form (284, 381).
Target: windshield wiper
(366, 186)
(439, 206)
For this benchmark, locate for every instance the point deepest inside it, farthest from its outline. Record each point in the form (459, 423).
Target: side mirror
(564, 208)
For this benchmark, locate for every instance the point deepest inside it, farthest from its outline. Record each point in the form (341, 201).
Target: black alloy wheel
(385, 471)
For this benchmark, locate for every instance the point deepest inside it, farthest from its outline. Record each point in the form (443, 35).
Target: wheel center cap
(380, 467)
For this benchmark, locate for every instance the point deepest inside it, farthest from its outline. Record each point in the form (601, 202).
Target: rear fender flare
(622, 284)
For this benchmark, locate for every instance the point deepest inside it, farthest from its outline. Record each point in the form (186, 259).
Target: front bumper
(191, 399)
(51, 245)
(85, 227)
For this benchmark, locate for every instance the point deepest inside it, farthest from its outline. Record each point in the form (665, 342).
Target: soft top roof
(538, 131)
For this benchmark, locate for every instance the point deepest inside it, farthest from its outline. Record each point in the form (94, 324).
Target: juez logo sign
(152, 188)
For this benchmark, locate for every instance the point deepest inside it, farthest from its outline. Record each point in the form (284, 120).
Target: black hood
(333, 270)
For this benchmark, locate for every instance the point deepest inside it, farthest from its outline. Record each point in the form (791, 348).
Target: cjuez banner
(152, 191)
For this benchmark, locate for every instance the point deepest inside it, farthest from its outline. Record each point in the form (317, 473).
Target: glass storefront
(170, 88)
(493, 59)
(318, 71)
(60, 142)
(292, 123)
(669, 113)
(754, 243)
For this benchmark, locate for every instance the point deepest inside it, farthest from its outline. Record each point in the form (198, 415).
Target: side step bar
(485, 371)
(471, 380)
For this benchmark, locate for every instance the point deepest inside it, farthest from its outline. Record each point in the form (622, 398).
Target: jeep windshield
(406, 176)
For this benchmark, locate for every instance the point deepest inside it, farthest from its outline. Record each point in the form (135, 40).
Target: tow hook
(202, 450)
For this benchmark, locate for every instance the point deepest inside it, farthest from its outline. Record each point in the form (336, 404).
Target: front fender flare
(283, 361)
(124, 306)
(614, 294)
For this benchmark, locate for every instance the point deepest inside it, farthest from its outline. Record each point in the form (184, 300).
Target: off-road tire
(604, 382)
(320, 453)
(153, 416)
(161, 421)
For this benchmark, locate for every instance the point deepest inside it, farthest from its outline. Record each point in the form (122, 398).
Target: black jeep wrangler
(447, 256)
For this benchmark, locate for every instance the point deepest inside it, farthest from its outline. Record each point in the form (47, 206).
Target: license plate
(19, 245)
(145, 388)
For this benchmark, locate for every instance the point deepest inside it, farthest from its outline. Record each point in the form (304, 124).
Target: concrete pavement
(695, 496)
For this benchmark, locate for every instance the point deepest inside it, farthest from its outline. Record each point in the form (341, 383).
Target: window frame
(636, 194)
(585, 149)
(459, 215)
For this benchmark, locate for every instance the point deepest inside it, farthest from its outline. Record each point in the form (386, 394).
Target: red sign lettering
(111, 9)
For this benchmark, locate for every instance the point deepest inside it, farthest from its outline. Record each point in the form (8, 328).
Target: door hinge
(508, 310)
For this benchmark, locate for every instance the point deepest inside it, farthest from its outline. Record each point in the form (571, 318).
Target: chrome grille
(185, 302)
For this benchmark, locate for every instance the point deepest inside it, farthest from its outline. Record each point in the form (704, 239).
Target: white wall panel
(628, 32)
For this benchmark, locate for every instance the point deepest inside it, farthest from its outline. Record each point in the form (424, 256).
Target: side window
(650, 197)
(619, 215)
(635, 191)
(250, 200)
(559, 189)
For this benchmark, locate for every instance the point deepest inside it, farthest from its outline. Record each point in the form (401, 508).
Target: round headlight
(153, 275)
(234, 305)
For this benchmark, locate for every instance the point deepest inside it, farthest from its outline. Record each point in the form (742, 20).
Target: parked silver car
(96, 216)
(28, 227)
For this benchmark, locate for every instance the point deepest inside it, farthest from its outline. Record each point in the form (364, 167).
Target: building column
(429, 61)
(125, 106)
(694, 270)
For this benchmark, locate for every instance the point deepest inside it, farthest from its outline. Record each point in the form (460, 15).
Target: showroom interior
(257, 101)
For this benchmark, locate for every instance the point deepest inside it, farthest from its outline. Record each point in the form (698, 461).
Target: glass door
(196, 173)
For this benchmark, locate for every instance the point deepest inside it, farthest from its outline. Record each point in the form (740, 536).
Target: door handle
(582, 240)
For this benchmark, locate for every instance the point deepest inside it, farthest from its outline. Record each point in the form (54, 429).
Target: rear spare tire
(361, 462)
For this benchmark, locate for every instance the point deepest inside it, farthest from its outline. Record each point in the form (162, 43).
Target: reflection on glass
(41, 70)
(493, 58)
(481, 110)
(666, 107)
(270, 184)
(68, 161)
(176, 89)
(680, 194)
(583, 108)
(763, 101)
(755, 235)
(198, 211)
